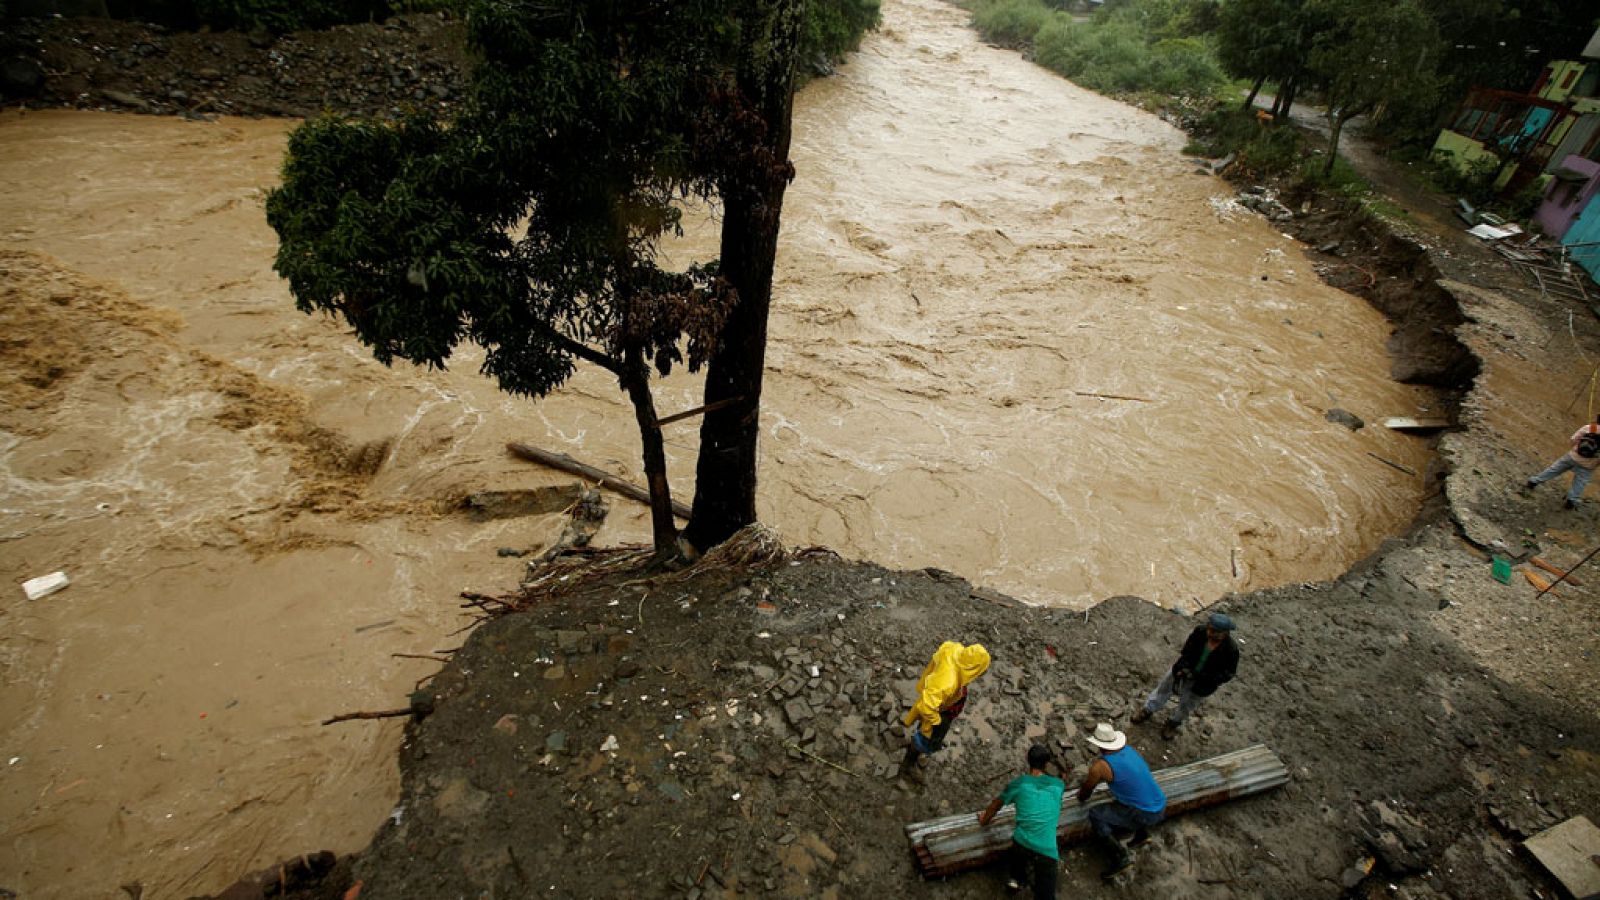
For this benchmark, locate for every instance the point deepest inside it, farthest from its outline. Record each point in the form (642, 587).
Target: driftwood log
(571, 466)
(950, 844)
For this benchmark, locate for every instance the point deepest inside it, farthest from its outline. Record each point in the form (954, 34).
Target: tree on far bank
(529, 225)
(1369, 52)
(1264, 40)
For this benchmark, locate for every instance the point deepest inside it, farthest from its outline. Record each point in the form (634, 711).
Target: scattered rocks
(1262, 200)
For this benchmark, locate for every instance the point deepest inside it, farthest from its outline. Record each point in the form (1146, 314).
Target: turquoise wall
(1586, 231)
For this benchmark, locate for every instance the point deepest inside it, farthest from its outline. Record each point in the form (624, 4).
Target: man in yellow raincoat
(941, 695)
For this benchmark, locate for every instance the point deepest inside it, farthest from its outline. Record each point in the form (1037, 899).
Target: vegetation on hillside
(1153, 46)
(831, 27)
(1403, 63)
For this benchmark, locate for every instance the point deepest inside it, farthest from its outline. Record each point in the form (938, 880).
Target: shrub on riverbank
(1259, 150)
(1139, 47)
(1011, 23)
(835, 27)
(1283, 155)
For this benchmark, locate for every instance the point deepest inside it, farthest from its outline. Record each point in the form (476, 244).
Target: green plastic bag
(1501, 570)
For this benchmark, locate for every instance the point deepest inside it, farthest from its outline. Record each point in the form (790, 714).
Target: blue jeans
(1580, 477)
(1110, 818)
(1188, 700)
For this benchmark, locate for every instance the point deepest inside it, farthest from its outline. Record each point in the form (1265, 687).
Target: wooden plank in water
(950, 844)
(1570, 851)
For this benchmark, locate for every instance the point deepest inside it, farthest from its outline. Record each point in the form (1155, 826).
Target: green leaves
(529, 225)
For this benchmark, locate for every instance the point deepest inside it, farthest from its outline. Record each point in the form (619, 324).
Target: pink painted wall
(1565, 200)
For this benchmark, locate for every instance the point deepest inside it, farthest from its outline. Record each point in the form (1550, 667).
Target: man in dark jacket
(1208, 661)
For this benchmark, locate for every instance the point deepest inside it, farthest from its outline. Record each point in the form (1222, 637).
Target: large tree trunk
(1336, 122)
(1254, 90)
(1289, 91)
(725, 473)
(636, 381)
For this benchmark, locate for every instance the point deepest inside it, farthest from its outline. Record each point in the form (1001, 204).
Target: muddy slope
(666, 736)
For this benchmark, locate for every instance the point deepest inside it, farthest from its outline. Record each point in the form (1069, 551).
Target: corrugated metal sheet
(950, 844)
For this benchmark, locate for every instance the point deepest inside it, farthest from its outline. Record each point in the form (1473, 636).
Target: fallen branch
(1393, 465)
(476, 621)
(807, 753)
(382, 714)
(1113, 397)
(571, 466)
(813, 799)
(698, 410)
(481, 601)
(419, 656)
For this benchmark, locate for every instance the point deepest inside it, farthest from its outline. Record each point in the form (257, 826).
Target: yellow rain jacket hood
(952, 668)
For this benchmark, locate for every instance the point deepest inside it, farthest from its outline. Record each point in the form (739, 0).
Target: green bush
(1108, 57)
(1186, 66)
(1474, 181)
(835, 27)
(1012, 23)
(1112, 54)
(1260, 150)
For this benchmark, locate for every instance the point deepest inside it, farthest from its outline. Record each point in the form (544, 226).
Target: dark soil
(737, 770)
(415, 62)
(1430, 717)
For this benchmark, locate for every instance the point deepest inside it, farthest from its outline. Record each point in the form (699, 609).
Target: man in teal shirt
(1038, 800)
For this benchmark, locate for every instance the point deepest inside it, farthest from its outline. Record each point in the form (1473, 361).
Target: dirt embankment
(414, 62)
(731, 728)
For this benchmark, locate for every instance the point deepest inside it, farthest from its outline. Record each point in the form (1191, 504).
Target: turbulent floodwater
(1015, 336)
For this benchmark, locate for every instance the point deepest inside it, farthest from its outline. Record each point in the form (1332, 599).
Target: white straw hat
(1107, 738)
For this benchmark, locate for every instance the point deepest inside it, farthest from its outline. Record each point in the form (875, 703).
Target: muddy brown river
(1015, 336)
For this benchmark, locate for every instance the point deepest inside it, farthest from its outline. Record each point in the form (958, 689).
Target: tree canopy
(1367, 53)
(529, 225)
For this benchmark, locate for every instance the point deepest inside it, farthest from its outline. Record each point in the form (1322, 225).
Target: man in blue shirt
(1038, 800)
(1137, 801)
